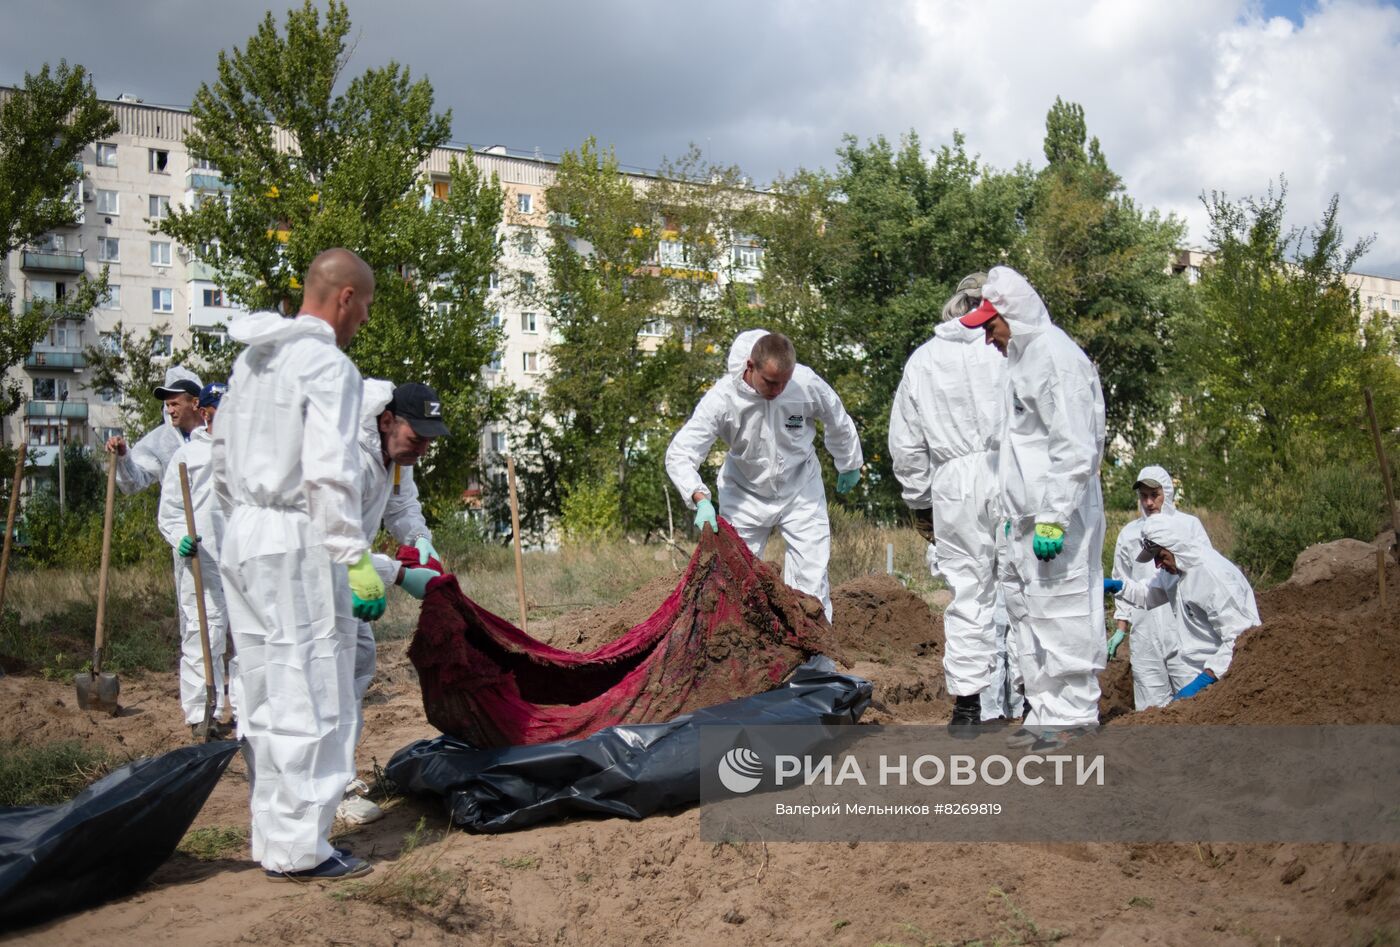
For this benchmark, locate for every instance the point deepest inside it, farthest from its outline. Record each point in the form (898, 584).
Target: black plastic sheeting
(630, 771)
(107, 840)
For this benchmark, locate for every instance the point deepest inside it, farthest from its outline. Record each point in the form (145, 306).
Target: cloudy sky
(1186, 97)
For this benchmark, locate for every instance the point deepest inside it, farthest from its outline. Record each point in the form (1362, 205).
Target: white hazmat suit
(945, 429)
(770, 476)
(401, 514)
(286, 474)
(1210, 600)
(1049, 473)
(209, 526)
(1158, 670)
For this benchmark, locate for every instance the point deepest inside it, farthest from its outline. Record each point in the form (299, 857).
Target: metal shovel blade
(100, 694)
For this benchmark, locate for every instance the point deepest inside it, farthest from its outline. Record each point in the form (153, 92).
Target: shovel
(96, 690)
(10, 523)
(206, 729)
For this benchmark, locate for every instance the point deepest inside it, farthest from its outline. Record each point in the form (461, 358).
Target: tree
(1272, 363)
(636, 315)
(1102, 266)
(307, 169)
(44, 127)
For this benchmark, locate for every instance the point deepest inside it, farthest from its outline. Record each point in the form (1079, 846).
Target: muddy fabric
(730, 629)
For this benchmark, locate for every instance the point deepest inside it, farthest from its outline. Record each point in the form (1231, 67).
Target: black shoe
(967, 717)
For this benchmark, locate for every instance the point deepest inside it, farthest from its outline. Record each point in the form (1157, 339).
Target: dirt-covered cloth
(730, 629)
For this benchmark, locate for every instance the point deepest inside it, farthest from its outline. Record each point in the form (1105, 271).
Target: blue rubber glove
(1115, 641)
(1201, 682)
(1112, 586)
(366, 590)
(705, 515)
(424, 545)
(1048, 542)
(187, 546)
(846, 482)
(415, 581)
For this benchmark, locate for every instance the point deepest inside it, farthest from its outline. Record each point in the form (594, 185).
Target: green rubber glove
(705, 515)
(1115, 641)
(366, 590)
(424, 545)
(846, 482)
(187, 546)
(415, 581)
(1049, 541)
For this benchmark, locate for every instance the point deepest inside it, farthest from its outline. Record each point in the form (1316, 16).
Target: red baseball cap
(979, 316)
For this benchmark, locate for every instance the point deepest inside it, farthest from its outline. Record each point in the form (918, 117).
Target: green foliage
(1101, 265)
(44, 126)
(142, 635)
(50, 774)
(1272, 363)
(589, 513)
(134, 364)
(1323, 501)
(352, 180)
(214, 843)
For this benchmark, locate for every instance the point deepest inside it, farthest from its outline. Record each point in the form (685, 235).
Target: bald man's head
(339, 289)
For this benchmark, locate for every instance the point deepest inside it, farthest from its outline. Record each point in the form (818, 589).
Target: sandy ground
(657, 882)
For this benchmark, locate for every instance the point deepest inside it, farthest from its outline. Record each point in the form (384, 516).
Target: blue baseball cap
(211, 394)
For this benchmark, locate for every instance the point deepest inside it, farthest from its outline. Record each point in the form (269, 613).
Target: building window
(497, 320)
(208, 341)
(160, 206)
(109, 396)
(526, 242)
(162, 300)
(113, 298)
(530, 362)
(104, 434)
(108, 202)
(108, 250)
(527, 283)
(654, 327)
(50, 389)
(160, 160)
(498, 442)
(106, 155)
(529, 322)
(214, 298)
(495, 280)
(441, 189)
(203, 164)
(523, 202)
(497, 362)
(160, 253)
(109, 342)
(161, 346)
(1395, 305)
(65, 336)
(748, 256)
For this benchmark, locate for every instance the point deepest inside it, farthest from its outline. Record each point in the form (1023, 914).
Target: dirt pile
(1326, 652)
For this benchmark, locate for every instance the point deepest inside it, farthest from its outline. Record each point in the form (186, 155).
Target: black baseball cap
(421, 407)
(182, 386)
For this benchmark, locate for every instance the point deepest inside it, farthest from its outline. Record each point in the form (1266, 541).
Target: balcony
(70, 409)
(55, 360)
(197, 180)
(34, 261)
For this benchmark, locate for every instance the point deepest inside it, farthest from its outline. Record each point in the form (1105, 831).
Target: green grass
(214, 843)
(50, 774)
(521, 862)
(413, 882)
(50, 632)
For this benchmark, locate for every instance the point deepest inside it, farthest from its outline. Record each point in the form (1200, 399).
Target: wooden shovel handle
(10, 523)
(198, 569)
(97, 648)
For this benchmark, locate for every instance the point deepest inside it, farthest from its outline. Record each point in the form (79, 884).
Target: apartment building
(1377, 294)
(131, 181)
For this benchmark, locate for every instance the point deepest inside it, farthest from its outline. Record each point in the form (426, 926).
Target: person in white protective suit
(945, 430)
(1158, 670)
(144, 462)
(1048, 470)
(1209, 597)
(209, 528)
(295, 562)
(766, 409)
(397, 426)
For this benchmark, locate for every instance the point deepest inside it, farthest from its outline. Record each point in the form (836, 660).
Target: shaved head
(339, 289)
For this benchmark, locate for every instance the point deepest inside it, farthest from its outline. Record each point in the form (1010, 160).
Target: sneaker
(1059, 737)
(1022, 737)
(336, 868)
(967, 717)
(355, 808)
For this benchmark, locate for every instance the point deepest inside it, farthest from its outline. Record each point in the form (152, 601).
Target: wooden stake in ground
(10, 523)
(515, 531)
(1385, 471)
(1380, 575)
